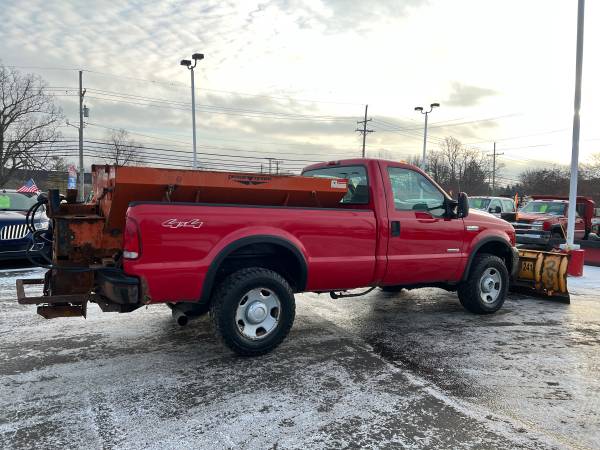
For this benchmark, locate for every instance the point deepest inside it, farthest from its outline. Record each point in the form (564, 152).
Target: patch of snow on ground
(588, 284)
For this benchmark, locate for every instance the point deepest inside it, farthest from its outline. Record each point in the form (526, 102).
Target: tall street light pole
(187, 63)
(575, 147)
(426, 113)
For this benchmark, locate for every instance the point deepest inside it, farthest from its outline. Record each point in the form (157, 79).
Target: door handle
(395, 228)
(425, 217)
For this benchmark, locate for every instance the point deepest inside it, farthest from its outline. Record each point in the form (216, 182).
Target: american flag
(29, 187)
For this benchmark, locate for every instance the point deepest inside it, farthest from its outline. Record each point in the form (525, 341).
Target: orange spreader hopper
(116, 187)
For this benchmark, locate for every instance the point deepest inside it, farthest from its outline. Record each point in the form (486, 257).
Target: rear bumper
(117, 287)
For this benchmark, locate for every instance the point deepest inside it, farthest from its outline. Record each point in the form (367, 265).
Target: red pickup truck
(543, 220)
(394, 228)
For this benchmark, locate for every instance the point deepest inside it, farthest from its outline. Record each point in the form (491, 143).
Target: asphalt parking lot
(408, 370)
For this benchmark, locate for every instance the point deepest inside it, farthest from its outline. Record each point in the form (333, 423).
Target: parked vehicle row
(542, 221)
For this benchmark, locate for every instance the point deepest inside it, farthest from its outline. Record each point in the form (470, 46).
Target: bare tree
(459, 168)
(122, 150)
(592, 168)
(28, 123)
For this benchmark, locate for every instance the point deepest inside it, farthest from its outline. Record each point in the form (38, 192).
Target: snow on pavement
(378, 372)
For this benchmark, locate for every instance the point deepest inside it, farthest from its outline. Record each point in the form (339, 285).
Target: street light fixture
(426, 113)
(187, 63)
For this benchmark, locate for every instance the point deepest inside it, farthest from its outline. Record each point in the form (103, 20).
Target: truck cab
(424, 239)
(501, 207)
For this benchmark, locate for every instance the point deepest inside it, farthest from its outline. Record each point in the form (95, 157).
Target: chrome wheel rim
(490, 285)
(257, 314)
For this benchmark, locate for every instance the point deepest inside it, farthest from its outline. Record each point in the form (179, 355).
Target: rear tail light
(547, 226)
(131, 240)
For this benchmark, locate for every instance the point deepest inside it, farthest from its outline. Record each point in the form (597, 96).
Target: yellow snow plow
(542, 273)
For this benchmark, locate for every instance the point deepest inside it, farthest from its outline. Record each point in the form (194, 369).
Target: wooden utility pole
(493, 155)
(364, 130)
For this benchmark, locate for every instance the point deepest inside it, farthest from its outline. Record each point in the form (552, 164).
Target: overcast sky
(502, 70)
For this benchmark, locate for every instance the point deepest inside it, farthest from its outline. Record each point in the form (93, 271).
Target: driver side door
(424, 246)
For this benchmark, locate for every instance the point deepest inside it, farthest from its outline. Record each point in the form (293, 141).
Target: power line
(522, 136)
(186, 143)
(233, 112)
(329, 152)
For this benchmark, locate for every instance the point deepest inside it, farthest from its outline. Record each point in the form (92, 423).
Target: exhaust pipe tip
(180, 317)
(182, 320)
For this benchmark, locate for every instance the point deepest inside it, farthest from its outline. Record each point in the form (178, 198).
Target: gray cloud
(465, 95)
(147, 40)
(336, 16)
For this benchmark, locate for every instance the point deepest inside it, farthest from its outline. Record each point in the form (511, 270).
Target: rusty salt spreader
(87, 237)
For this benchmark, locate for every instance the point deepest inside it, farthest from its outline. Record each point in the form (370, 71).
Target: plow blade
(542, 273)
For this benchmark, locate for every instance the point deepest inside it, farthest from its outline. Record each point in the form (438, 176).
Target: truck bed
(180, 241)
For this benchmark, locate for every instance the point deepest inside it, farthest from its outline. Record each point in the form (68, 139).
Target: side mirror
(498, 210)
(463, 205)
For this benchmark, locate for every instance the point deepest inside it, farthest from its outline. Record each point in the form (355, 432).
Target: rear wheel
(253, 310)
(485, 289)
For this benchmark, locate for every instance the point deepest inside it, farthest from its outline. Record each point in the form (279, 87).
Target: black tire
(391, 288)
(470, 292)
(229, 295)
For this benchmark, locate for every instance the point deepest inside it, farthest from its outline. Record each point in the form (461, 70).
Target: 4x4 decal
(177, 223)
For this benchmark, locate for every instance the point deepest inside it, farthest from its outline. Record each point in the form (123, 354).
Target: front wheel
(253, 310)
(485, 289)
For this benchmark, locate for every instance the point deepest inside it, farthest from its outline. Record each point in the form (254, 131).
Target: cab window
(358, 184)
(495, 204)
(413, 192)
(509, 205)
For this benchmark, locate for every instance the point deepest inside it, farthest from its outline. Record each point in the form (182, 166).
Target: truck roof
(491, 197)
(356, 161)
(580, 198)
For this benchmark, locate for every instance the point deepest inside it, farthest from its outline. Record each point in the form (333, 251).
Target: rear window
(509, 205)
(16, 201)
(541, 207)
(358, 184)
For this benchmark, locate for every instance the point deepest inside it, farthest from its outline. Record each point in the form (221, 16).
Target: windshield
(479, 203)
(537, 207)
(358, 186)
(16, 201)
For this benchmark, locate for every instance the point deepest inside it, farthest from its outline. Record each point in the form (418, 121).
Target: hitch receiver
(53, 306)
